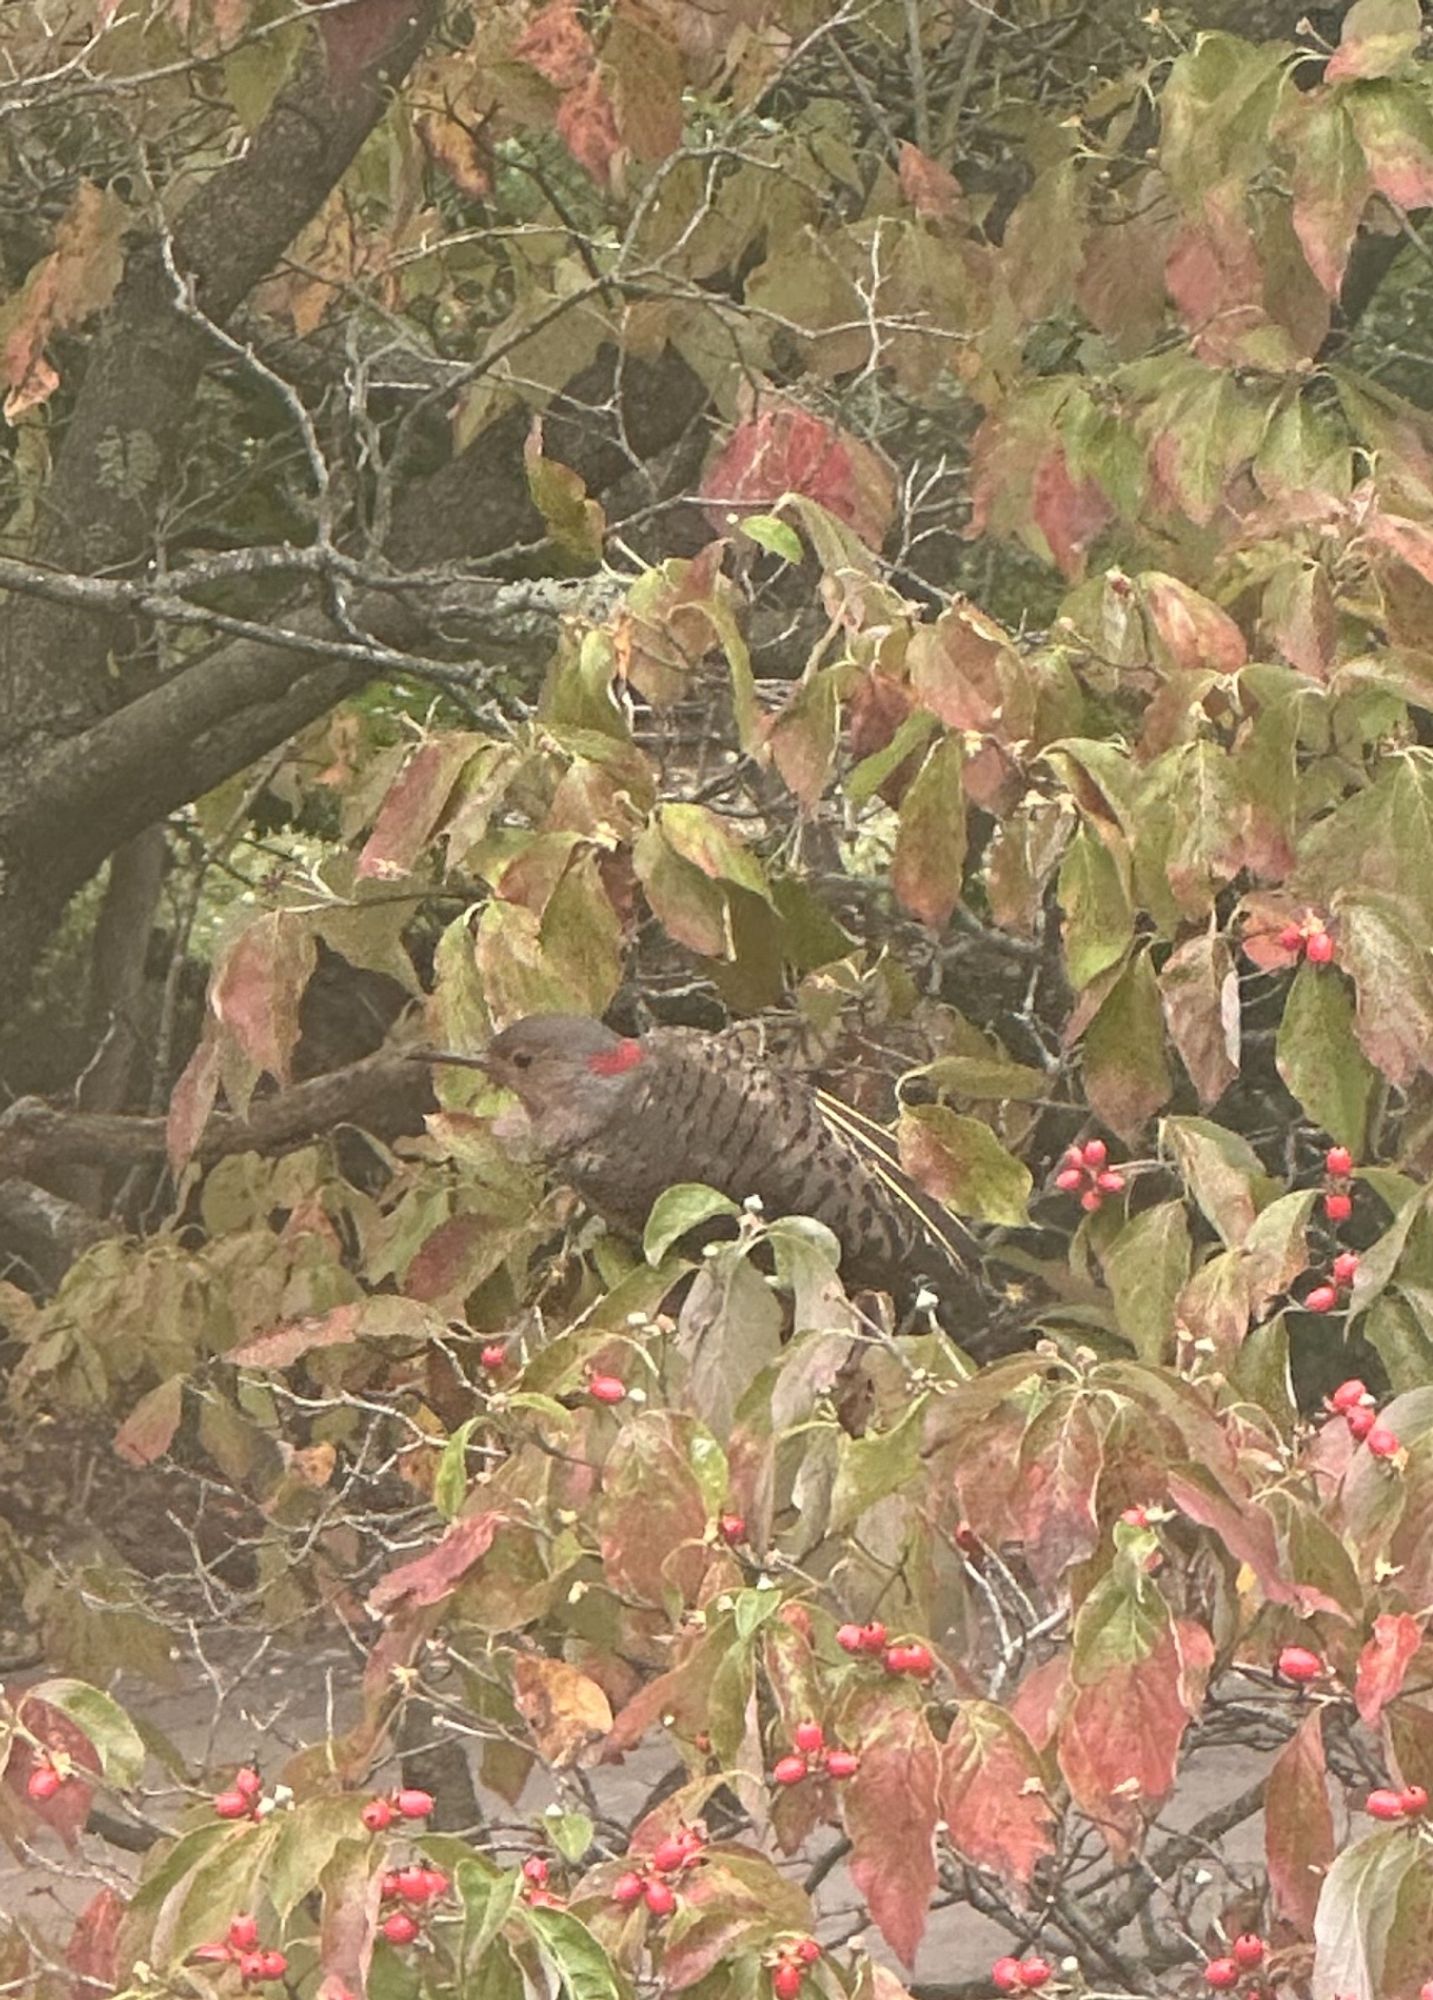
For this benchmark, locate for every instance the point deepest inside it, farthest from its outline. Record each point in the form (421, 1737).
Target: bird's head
(567, 1070)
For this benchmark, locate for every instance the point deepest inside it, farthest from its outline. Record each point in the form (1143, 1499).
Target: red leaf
(890, 1813)
(784, 449)
(992, 1793)
(1377, 35)
(91, 1953)
(587, 126)
(1196, 633)
(1248, 1534)
(1384, 1661)
(69, 1808)
(431, 1577)
(192, 1101)
(414, 806)
(931, 189)
(1061, 1456)
(351, 1888)
(285, 1344)
(1119, 1742)
(556, 45)
(255, 992)
(147, 1431)
(1069, 513)
(1298, 1823)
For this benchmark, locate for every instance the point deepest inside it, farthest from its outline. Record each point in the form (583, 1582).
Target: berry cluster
(1351, 1401)
(1246, 1954)
(240, 1946)
(244, 1799)
(907, 1656)
(1342, 1272)
(1338, 1189)
(1020, 1975)
(418, 1885)
(406, 1803)
(535, 1873)
(788, 1968)
(810, 1756)
(1410, 1803)
(1309, 939)
(649, 1884)
(1084, 1172)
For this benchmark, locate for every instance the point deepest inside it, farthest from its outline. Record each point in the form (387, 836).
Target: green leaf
(960, 1161)
(571, 1833)
(450, 1482)
(873, 1466)
(987, 1076)
(306, 1841)
(774, 535)
(1319, 1058)
(488, 1899)
(569, 1948)
(1126, 1070)
(872, 772)
(1095, 899)
(928, 866)
(1221, 1171)
(678, 1209)
(1146, 1267)
(104, 1722)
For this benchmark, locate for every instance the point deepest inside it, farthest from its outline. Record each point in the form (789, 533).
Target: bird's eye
(522, 1061)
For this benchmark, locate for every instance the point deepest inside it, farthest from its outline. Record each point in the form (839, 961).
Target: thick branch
(385, 1094)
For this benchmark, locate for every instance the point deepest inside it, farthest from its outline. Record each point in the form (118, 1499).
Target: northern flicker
(621, 1119)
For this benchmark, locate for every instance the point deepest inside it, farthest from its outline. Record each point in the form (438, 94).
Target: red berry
(1338, 1207)
(732, 1526)
(842, 1763)
(493, 1355)
(786, 1980)
(628, 1888)
(789, 1770)
(1348, 1395)
(1319, 949)
(693, 1839)
(1425, 1991)
(1297, 1663)
(412, 1803)
(413, 1883)
(535, 1870)
(228, 1805)
(247, 1783)
(607, 1389)
(43, 1783)
(1221, 1972)
(1383, 1804)
(1338, 1160)
(661, 1898)
(400, 1928)
(1382, 1442)
(376, 1815)
(873, 1638)
(808, 1736)
(807, 1950)
(1415, 1800)
(1291, 938)
(1361, 1422)
(668, 1856)
(1074, 1156)
(438, 1883)
(251, 1965)
(1070, 1178)
(272, 1965)
(913, 1659)
(1109, 1182)
(1094, 1152)
(1034, 1972)
(1135, 1517)
(1092, 1201)
(848, 1638)
(388, 1888)
(1005, 1974)
(1247, 1951)
(243, 1932)
(1345, 1266)
(1322, 1299)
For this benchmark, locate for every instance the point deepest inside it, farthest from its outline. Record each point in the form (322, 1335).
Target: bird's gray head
(567, 1070)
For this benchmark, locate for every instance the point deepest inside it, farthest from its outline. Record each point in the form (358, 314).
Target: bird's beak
(450, 1056)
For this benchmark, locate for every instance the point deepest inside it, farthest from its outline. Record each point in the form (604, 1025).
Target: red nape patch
(625, 1056)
